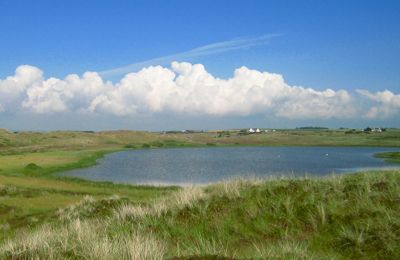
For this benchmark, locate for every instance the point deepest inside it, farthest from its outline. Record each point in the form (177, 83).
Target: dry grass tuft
(283, 250)
(181, 199)
(127, 211)
(82, 240)
(73, 211)
(232, 188)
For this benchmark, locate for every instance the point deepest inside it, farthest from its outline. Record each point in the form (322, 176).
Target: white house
(258, 130)
(251, 130)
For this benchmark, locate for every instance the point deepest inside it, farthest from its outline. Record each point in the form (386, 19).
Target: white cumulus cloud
(13, 88)
(183, 88)
(387, 104)
(187, 88)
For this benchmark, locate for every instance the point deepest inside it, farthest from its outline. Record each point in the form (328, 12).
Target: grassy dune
(350, 216)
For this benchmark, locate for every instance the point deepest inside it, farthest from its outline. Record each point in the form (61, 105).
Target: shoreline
(94, 161)
(91, 157)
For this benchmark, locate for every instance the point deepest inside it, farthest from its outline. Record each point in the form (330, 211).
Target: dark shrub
(32, 166)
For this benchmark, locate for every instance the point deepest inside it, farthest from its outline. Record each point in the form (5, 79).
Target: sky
(164, 65)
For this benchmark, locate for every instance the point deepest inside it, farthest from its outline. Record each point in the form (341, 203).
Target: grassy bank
(30, 193)
(43, 164)
(393, 157)
(350, 216)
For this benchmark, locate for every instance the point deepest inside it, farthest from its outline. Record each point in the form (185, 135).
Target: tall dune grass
(349, 216)
(83, 240)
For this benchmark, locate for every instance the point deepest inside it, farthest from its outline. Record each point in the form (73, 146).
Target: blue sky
(340, 45)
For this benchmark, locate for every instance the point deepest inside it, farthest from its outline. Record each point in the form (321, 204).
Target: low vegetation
(349, 216)
(393, 157)
(43, 215)
(36, 142)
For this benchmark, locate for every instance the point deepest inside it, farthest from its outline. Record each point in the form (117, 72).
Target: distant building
(254, 131)
(370, 130)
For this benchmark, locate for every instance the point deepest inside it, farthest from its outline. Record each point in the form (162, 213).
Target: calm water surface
(205, 165)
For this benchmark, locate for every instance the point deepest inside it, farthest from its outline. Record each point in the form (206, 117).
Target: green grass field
(235, 219)
(25, 142)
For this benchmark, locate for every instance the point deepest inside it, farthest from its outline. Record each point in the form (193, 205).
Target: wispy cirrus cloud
(209, 49)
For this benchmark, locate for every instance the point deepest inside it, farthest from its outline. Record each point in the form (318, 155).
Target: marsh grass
(349, 216)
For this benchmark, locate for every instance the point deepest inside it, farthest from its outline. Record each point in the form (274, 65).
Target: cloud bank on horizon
(186, 89)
